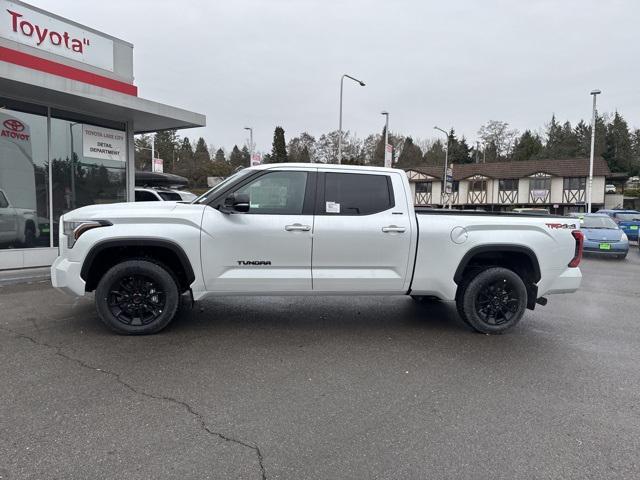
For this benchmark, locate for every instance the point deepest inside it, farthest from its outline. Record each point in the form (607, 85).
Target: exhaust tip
(541, 301)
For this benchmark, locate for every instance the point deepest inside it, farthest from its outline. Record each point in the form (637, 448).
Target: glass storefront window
(24, 179)
(78, 179)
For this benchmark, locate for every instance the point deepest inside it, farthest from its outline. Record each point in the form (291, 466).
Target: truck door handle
(393, 229)
(297, 227)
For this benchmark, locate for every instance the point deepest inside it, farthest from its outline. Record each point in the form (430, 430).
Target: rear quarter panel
(439, 255)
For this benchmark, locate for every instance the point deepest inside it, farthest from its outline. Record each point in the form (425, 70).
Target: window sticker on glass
(333, 207)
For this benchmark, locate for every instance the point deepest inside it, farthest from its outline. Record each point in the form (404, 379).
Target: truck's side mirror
(238, 202)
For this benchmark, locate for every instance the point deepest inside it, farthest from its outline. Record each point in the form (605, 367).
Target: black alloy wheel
(136, 300)
(497, 302)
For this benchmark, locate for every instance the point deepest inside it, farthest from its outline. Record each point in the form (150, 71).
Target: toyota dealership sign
(31, 27)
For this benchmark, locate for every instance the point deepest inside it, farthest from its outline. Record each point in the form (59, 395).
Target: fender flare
(499, 248)
(138, 242)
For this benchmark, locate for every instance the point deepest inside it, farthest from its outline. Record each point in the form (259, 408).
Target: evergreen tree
(570, 147)
(397, 145)
(236, 159)
(411, 155)
(378, 154)
(435, 154)
(582, 132)
(186, 166)
(528, 146)
(220, 156)
(201, 164)
(458, 149)
(220, 167)
(618, 149)
(554, 139)
(167, 143)
(279, 149)
(246, 157)
(142, 152)
(635, 151)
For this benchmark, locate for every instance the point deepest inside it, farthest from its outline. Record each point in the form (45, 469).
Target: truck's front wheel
(493, 301)
(137, 297)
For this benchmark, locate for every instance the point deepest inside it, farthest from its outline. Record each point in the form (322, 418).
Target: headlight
(624, 237)
(73, 230)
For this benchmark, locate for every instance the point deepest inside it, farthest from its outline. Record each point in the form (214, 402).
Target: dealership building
(69, 110)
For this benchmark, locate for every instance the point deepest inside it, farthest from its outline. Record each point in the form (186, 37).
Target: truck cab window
(277, 193)
(356, 194)
(3, 201)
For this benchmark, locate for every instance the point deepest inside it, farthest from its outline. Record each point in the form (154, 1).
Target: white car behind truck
(308, 229)
(18, 226)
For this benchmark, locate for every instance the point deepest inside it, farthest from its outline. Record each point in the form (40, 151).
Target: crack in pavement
(203, 424)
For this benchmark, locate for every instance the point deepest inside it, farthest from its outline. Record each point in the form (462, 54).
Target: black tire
(493, 301)
(137, 297)
(622, 257)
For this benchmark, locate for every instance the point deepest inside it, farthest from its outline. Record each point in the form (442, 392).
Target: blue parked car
(602, 235)
(627, 220)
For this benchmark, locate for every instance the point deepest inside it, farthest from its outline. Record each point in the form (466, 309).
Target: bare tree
(499, 135)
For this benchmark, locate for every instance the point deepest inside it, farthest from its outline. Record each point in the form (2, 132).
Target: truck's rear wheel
(493, 301)
(137, 297)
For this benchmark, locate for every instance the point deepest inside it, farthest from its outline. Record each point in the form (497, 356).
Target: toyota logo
(13, 124)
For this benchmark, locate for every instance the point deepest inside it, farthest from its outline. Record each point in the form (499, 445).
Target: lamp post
(594, 93)
(386, 139)
(250, 143)
(446, 164)
(340, 123)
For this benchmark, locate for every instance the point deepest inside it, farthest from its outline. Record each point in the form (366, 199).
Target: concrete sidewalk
(24, 275)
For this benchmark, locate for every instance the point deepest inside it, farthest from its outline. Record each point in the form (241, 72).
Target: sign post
(388, 155)
(448, 189)
(256, 159)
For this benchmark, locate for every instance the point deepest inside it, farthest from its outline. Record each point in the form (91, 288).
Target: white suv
(144, 194)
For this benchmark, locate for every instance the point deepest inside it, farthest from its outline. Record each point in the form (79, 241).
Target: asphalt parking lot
(315, 388)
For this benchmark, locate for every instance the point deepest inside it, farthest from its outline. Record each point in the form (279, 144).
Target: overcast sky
(263, 63)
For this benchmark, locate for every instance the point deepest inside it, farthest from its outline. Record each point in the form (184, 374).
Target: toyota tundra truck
(309, 229)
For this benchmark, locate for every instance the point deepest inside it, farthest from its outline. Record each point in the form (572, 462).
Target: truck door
(362, 233)
(8, 220)
(267, 249)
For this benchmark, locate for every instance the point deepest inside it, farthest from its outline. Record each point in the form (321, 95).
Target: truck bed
(444, 211)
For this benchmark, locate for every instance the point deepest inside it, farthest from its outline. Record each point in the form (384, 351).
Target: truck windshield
(208, 195)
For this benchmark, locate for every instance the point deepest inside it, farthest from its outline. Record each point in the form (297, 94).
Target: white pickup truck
(18, 226)
(309, 229)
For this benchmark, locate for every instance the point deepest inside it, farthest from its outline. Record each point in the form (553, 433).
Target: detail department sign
(43, 32)
(103, 143)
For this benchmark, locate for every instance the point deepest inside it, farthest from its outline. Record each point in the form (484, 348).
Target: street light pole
(594, 93)
(250, 143)
(446, 164)
(386, 139)
(340, 123)
(153, 149)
